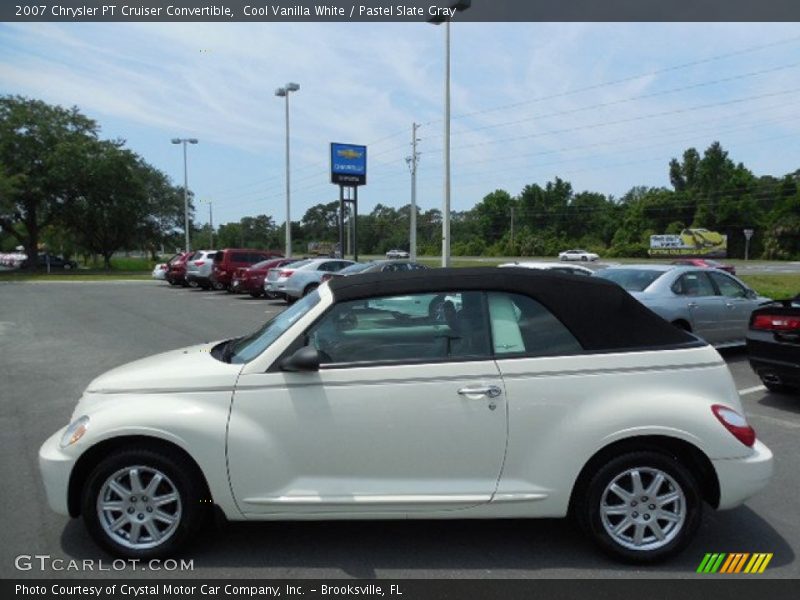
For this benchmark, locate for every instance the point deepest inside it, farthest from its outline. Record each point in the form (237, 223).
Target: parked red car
(176, 268)
(250, 280)
(705, 262)
(228, 260)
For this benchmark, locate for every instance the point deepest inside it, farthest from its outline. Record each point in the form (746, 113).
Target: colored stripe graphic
(721, 562)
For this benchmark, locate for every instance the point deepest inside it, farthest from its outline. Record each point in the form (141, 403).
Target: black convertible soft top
(599, 313)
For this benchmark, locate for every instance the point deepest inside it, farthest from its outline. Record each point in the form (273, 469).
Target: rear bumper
(741, 478)
(777, 371)
(773, 359)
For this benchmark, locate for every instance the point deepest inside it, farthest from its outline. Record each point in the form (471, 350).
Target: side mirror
(752, 294)
(305, 359)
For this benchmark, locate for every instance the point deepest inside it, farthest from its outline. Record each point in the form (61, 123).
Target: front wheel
(142, 503)
(641, 507)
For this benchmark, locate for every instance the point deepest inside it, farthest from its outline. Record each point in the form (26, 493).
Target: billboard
(690, 242)
(348, 164)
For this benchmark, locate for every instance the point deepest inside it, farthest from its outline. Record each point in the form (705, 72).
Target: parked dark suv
(228, 260)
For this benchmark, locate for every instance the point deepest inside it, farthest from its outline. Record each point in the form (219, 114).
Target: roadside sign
(348, 164)
(748, 233)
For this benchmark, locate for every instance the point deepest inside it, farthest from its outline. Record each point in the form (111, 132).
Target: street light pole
(185, 141)
(459, 5)
(283, 92)
(446, 204)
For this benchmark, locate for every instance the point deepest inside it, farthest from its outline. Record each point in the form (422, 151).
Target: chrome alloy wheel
(643, 508)
(139, 507)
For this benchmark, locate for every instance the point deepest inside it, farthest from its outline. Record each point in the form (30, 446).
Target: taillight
(775, 323)
(286, 273)
(199, 263)
(735, 423)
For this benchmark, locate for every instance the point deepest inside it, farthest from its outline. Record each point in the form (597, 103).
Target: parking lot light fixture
(185, 141)
(283, 92)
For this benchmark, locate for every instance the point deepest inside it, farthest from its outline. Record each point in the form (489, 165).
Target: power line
(627, 79)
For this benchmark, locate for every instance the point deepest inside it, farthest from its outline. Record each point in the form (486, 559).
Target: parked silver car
(198, 269)
(307, 277)
(708, 302)
(376, 266)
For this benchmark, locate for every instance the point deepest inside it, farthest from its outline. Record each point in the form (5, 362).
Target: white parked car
(551, 266)
(444, 393)
(397, 254)
(583, 255)
(160, 271)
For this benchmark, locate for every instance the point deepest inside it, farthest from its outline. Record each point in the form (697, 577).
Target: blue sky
(604, 106)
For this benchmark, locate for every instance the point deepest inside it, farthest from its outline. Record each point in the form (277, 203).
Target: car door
(698, 300)
(407, 413)
(738, 305)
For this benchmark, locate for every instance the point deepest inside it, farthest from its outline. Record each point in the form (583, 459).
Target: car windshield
(633, 280)
(356, 268)
(249, 347)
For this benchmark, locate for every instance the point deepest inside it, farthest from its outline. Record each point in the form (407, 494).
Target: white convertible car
(447, 393)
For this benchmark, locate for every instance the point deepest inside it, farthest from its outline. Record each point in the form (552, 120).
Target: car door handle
(730, 305)
(492, 391)
(692, 305)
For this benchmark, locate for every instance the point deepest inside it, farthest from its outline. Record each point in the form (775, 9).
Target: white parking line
(752, 390)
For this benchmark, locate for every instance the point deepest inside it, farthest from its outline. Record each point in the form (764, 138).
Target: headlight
(75, 431)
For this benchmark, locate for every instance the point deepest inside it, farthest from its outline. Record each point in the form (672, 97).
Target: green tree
(41, 150)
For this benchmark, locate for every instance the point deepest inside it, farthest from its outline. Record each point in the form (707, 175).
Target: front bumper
(741, 478)
(55, 467)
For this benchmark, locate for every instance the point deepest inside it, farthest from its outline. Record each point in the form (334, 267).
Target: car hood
(185, 369)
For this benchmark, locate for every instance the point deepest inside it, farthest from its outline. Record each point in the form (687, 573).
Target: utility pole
(210, 227)
(210, 224)
(512, 225)
(412, 165)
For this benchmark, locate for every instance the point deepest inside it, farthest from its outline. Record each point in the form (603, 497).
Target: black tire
(256, 294)
(584, 258)
(194, 503)
(290, 300)
(310, 288)
(590, 497)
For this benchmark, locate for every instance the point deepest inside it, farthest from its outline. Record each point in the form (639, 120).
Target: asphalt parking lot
(56, 337)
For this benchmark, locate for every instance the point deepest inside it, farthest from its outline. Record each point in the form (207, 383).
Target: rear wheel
(641, 507)
(310, 288)
(143, 503)
(256, 294)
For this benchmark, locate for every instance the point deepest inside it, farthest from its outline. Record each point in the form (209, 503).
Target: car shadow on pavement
(498, 548)
(789, 402)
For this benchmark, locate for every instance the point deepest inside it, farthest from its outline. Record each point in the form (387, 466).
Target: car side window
(728, 287)
(522, 326)
(694, 283)
(411, 328)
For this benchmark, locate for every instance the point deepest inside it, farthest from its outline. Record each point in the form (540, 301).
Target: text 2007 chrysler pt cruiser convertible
(468, 393)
